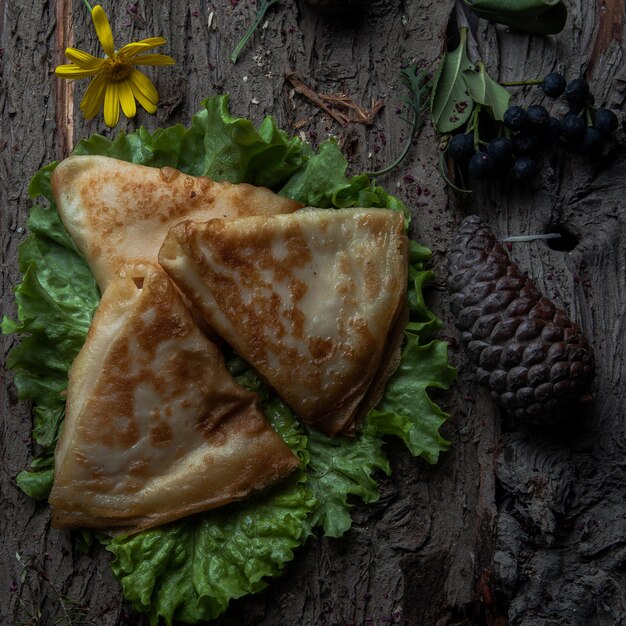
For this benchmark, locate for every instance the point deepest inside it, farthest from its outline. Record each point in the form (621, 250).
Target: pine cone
(535, 361)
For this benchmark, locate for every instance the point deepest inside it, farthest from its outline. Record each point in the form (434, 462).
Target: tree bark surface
(512, 526)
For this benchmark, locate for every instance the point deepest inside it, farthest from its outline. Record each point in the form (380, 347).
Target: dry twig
(341, 108)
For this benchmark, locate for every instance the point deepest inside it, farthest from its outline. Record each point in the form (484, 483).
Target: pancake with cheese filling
(314, 300)
(118, 212)
(156, 427)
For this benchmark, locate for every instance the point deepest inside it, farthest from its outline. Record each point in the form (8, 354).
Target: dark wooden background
(511, 526)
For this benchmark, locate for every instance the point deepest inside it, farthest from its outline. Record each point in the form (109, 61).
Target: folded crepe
(118, 212)
(156, 427)
(314, 300)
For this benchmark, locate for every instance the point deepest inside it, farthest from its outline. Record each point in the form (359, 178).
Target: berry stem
(444, 174)
(521, 83)
(472, 125)
(588, 116)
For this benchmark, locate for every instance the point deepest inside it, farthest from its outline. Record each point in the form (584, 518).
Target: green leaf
(37, 482)
(543, 17)
(236, 151)
(422, 320)
(486, 91)
(450, 102)
(40, 184)
(217, 145)
(341, 467)
(45, 221)
(406, 409)
(36, 485)
(321, 179)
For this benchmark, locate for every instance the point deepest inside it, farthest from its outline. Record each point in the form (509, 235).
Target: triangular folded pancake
(314, 300)
(118, 212)
(156, 427)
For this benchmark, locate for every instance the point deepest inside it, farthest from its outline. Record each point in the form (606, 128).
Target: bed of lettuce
(189, 570)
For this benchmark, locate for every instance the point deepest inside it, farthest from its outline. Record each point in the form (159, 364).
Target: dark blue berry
(577, 92)
(461, 147)
(500, 150)
(481, 166)
(524, 169)
(524, 144)
(515, 118)
(573, 128)
(553, 85)
(576, 108)
(592, 142)
(538, 117)
(605, 121)
(554, 129)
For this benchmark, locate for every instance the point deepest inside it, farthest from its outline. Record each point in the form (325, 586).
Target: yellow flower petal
(111, 105)
(145, 86)
(132, 49)
(83, 59)
(103, 30)
(72, 72)
(153, 59)
(127, 99)
(153, 42)
(145, 92)
(92, 101)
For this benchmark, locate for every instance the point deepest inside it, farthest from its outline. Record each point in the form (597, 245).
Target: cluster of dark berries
(529, 131)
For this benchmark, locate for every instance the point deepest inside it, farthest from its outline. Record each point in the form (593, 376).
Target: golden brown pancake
(314, 300)
(118, 212)
(156, 427)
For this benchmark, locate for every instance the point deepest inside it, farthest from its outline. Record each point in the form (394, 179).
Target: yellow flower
(116, 80)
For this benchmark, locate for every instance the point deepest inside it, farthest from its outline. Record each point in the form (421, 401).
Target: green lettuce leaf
(216, 145)
(189, 570)
(55, 302)
(406, 410)
(341, 467)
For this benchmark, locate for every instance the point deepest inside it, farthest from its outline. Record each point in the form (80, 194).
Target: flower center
(117, 69)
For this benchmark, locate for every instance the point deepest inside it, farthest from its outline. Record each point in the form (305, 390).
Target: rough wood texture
(512, 526)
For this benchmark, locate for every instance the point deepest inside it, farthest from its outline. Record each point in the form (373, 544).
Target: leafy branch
(418, 83)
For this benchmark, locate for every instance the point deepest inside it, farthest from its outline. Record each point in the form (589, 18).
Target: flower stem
(88, 6)
(264, 5)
